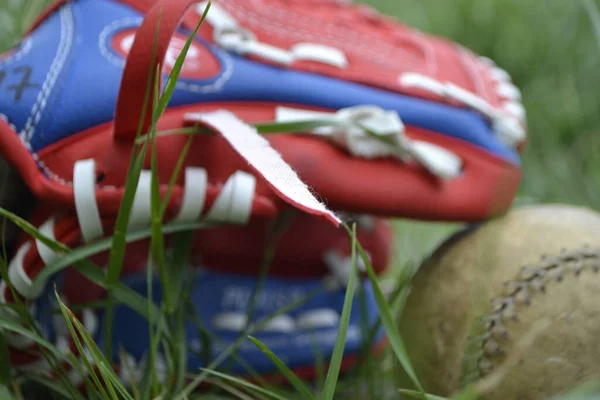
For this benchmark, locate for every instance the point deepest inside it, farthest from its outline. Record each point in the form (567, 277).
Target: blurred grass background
(552, 51)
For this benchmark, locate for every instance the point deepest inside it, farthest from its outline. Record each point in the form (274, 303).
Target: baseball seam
(519, 292)
(134, 23)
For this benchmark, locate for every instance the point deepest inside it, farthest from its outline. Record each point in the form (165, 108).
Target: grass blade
(274, 235)
(302, 389)
(293, 127)
(180, 351)
(338, 350)
(157, 244)
(5, 394)
(592, 11)
(588, 391)
(32, 231)
(209, 338)
(176, 71)
(4, 362)
(237, 393)
(418, 395)
(53, 386)
(117, 251)
(115, 263)
(150, 380)
(81, 253)
(387, 320)
(109, 374)
(175, 174)
(70, 320)
(468, 393)
(182, 248)
(129, 373)
(105, 369)
(121, 292)
(319, 364)
(368, 336)
(264, 128)
(232, 349)
(245, 384)
(16, 328)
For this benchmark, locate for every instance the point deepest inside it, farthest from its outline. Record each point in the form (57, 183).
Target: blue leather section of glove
(213, 294)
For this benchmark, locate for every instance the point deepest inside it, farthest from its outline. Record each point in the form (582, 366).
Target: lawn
(552, 50)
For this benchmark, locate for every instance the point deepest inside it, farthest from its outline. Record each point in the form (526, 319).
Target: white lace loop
(500, 75)
(129, 371)
(14, 339)
(515, 108)
(307, 320)
(506, 122)
(349, 130)
(141, 209)
(509, 91)
(231, 37)
(439, 161)
(38, 367)
(280, 324)
(86, 206)
(6, 311)
(233, 321)
(234, 204)
(19, 278)
(318, 319)
(47, 255)
(17, 341)
(340, 267)
(90, 321)
(196, 182)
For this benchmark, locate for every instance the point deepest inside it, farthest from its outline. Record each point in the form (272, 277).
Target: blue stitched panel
(216, 293)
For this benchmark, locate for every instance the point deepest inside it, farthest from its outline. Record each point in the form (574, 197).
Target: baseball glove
(409, 125)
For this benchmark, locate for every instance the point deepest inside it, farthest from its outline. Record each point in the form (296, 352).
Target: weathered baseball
(475, 305)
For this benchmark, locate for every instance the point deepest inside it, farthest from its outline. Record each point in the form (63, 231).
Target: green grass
(551, 49)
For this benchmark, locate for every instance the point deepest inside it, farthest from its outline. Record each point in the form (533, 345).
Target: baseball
(477, 304)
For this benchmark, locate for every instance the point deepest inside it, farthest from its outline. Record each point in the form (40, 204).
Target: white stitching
(54, 176)
(34, 155)
(471, 69)
(430, 53)
(129, 22)
(215, 86)
(4, 118)
(39, 162)
(66, 41)
(519, 292)
(190, 87)
(23, 51)
(288, 29)
(63, 51)
(288, 24)
(49, 172)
